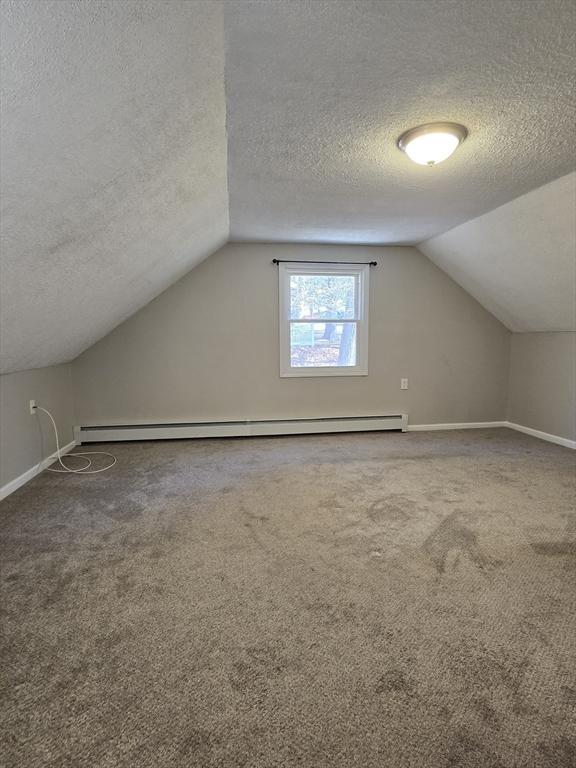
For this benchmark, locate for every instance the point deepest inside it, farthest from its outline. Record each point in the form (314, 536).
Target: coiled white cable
(83, 470)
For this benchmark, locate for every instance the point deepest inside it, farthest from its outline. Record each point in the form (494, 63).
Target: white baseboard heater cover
(105, 434)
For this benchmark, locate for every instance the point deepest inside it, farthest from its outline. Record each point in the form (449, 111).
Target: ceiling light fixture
(432, 143)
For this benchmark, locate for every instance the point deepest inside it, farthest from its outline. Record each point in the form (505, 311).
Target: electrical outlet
(32, 407)
(403, 383)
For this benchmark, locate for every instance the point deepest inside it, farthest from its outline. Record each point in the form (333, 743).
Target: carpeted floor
(350, 601)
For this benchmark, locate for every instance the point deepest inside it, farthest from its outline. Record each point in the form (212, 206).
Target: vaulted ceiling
(519, 260)
(113, 164)
(138, 136)
(318, 92)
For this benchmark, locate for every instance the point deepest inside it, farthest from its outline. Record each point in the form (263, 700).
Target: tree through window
(323, 317)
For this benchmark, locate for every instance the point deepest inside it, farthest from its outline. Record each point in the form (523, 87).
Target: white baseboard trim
(564, 441)
(542, 435)
(456, 425)
(22, 479)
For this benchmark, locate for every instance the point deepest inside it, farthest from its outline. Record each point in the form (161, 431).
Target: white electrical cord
(83, 470)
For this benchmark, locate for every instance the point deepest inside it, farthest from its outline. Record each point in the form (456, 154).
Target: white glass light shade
(431, 144)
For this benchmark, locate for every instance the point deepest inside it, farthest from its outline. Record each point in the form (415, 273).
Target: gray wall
(542, 392)
(207, 348)
(24, 439)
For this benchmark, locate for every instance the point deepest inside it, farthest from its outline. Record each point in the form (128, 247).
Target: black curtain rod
(304, 261)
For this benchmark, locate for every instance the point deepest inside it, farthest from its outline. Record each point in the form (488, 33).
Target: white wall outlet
(403, 383)
(32, 407)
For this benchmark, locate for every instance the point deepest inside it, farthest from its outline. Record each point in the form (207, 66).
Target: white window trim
(362, 272)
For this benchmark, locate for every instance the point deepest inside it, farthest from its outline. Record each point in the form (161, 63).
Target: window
(323, 320)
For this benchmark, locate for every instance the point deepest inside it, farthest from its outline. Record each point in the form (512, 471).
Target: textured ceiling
(113, 164)
(318, 91)
(519, 261)
(117, 168)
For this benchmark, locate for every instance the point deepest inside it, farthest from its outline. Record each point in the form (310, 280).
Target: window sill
(306, 373)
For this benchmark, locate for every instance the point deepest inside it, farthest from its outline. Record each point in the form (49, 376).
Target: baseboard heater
(105, 434)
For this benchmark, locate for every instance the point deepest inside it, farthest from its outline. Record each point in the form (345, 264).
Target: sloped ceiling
(519, 260)
(113, 164)
(118, 171)
(318, 92)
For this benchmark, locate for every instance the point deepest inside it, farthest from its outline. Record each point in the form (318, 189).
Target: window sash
(291, 271)
(336, 320)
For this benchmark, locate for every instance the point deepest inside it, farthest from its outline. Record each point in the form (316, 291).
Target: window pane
(315, 297)
(320, 345)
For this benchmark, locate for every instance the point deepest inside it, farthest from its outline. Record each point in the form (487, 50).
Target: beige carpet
(370, 601)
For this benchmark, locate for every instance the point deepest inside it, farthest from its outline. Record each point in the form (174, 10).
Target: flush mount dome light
(432, 143)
